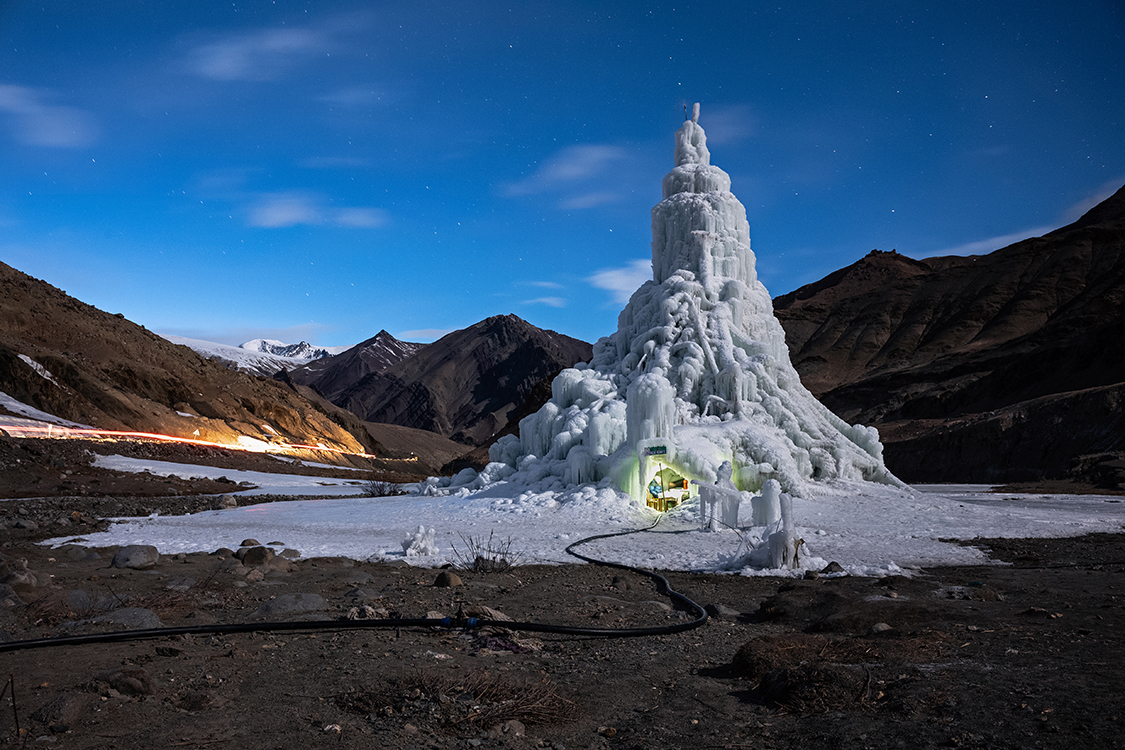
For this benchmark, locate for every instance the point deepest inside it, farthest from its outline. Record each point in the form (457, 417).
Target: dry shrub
(479, 698)
(759, 655)
(816, 688)
(798, 672)
(51, 609)
(806, 672)
(383, 488)
(480, 555)
(168, 605)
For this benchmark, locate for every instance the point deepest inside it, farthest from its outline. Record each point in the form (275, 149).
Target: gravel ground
(1026, 654)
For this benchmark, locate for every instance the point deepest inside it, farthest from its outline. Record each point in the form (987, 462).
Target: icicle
(767, 506)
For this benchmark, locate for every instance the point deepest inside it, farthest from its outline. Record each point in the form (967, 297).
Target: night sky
(324, 170)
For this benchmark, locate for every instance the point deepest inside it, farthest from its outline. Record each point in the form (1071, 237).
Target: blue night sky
(322, 170)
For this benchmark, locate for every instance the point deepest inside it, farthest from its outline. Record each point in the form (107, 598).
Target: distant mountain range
(303, 351)
(995, 368)
(263, 357)
(463, 386)
(1001, 367)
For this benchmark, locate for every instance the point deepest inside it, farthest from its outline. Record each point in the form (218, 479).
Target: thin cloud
(549, 301)
(1070, 215)
(572, 165)
(353, 96)
(279, 210)
(589, 200)
(258, 56)
(983, 247)
(546, 284)
(730, 124)
(335, 162)
(622, 282)
(225, 183)
(237, 336)
(284, 210)
(360, 218)
(1108, 188)
(37, 123)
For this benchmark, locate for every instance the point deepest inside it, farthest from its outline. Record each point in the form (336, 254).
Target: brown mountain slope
(997, 367)
(464, 385)
(111, 373)
(404, 450)
(331, 375)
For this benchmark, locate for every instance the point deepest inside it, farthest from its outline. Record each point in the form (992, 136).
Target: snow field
(869, 529)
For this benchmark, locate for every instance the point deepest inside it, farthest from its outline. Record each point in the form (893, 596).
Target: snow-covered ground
(33, 420)
(266, 483)
(868, 528)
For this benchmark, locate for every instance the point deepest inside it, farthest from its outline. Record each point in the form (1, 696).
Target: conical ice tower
(697, 373)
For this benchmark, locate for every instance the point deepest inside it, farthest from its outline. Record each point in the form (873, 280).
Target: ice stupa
(697, 374)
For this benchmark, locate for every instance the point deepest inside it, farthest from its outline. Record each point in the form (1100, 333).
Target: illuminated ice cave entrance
(667, 486)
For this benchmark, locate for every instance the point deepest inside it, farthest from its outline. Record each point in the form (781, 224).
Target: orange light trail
(54, 431)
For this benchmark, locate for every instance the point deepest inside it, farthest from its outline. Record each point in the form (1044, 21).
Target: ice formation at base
(696, 375)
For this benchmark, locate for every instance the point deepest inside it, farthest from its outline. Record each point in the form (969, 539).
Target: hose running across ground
(469, 623)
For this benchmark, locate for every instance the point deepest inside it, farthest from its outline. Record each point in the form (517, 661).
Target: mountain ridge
(111, 373)
(333, 374)
(946, 341)
(302, 350)
(465, 384)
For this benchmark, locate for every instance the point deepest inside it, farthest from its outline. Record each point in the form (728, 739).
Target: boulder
(446, 579)
(77, 600)
(226, 502)
(136, 557)
(255, 556)
(63, 711)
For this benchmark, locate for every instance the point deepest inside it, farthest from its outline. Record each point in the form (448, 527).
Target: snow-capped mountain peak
(304, 350)
(258, 360)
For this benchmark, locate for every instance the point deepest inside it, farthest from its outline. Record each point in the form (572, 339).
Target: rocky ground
(1018, 655)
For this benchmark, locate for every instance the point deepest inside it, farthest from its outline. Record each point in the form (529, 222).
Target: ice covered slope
(697, 373)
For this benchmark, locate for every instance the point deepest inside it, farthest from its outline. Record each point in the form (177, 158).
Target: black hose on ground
(467, 623)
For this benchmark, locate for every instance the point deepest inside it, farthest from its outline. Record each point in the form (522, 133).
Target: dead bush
(480, 555)
(382, 488)
(479, 698)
